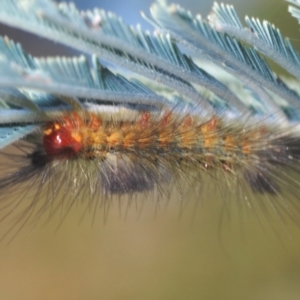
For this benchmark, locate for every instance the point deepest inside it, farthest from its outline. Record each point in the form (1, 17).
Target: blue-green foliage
(215, 64)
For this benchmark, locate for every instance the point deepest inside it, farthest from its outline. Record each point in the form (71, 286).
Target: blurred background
(151, 250)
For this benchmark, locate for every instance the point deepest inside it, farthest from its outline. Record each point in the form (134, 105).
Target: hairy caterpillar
(87, 156)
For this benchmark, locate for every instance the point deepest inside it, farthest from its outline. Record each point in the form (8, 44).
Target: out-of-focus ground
(153, 255)
(164, 253)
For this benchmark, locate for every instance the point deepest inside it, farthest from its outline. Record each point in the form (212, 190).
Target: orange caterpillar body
(153, 149)
(169, 136)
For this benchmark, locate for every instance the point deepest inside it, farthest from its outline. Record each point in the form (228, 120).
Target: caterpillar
(86, 155)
